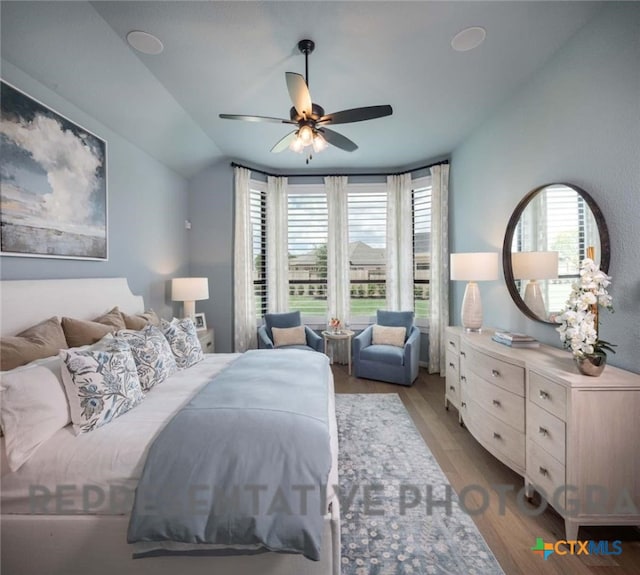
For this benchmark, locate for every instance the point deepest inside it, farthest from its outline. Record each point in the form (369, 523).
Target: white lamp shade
(534, 265)
(481, 266)
(189, 289)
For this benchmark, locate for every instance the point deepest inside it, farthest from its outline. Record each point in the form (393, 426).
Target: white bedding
(107, 463)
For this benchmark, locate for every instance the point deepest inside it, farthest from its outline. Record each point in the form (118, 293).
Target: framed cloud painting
(53, 183)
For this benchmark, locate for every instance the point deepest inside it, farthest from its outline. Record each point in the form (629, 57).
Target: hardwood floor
(511, 532)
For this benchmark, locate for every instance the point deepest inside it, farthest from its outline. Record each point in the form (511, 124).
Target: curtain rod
(238, 165)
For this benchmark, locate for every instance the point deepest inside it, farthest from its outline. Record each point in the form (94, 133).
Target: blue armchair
(387, 362)
(284, 320)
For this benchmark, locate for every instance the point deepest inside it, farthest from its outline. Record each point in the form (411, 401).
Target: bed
(70, 539)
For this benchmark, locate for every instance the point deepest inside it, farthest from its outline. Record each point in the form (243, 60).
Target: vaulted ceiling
(231, 57)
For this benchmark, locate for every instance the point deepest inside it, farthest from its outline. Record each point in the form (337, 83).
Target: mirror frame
(605, 246)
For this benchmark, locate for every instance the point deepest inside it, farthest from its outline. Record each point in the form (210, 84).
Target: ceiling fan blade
(356, 115)
(299, 93)
(255, 118)
(338, 140)
(283, 144)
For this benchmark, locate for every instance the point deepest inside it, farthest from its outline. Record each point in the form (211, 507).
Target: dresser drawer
(498, 437)
(547, 474)
(501, 373)
(453, 342)
(502, 404)
(549, 395)
(547, 431)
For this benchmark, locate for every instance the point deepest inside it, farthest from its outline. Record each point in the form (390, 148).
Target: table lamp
(188, 290)
(534, 266)
(473, 267)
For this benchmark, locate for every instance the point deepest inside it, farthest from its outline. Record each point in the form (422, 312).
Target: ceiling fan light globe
(305, 135)
(296, 145)
(319, 143)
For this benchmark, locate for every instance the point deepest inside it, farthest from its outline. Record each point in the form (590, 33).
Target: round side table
(335, 336)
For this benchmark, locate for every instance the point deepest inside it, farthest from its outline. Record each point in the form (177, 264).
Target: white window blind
(307, 245)
(421, 202)
(367, 215)
(258, 230)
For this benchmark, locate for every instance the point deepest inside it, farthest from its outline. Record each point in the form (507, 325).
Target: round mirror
(550, 232)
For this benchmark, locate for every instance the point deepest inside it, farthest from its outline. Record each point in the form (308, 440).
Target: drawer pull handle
(543, 471)
(543, 394)
(463, 354)
(543, 431)
(452, 388)
(452, 343)
(463, 378)
(495, 373)
(464, 404)
(496, 402)
(451, 364)
(496, 435)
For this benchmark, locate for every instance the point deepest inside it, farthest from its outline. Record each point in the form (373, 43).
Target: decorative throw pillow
(384, 335)
(101, 383)
(81, 332)
(140, 320)
(42, 340)
(183, 339)
(289, 336)
(112, 318)
(33, 406)
(152, 355)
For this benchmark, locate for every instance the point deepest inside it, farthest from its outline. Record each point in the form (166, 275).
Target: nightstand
(206, 340)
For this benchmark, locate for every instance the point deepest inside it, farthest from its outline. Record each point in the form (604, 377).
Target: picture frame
(53, 183)
(200, 321)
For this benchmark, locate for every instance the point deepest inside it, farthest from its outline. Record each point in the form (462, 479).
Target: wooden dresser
(574, 439)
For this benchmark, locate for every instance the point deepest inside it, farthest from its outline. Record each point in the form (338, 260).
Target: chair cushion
(383, 354)
(396, 319)
(289, 336)
(289, 319)
(385, 335)
(305, 347)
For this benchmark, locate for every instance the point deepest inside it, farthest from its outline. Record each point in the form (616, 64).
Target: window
(307, 246)
(367, 216)
(421, 207)
(257, 199)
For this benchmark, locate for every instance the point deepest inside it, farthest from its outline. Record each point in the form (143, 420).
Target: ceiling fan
(310, 119)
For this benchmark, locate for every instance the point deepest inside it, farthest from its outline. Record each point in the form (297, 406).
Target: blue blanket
(245, 462)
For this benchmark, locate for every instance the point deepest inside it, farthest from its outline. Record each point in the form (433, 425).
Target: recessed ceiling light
(468, 39)
(144, 42)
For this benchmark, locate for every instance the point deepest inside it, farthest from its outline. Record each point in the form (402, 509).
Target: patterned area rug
(385, 468)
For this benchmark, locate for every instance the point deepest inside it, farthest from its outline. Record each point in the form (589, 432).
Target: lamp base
(533, 299)
(472, 308)
(189, 309)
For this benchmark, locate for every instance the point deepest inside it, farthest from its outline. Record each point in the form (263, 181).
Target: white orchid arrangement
(579, 320)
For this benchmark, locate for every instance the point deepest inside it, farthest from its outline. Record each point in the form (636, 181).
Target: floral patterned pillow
(101, 382)
(183, 339)
(152, 355)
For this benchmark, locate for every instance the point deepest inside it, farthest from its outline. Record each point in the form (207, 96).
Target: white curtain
(337, 248)
(277, 246)
(439, 282)
(245, 336)
(399, 243)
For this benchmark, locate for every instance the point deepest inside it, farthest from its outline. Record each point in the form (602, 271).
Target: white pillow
(151, 353)
(33, 406)
(289, 336)
(387, 335)
(183, 339)
(101, 382)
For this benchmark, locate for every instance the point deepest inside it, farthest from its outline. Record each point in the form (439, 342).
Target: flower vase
(592, 365)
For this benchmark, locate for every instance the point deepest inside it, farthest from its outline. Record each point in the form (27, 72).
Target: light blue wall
(147, 205)
(211, 247)
(577, 121)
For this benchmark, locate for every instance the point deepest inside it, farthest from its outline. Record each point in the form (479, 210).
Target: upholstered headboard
(24, 303)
